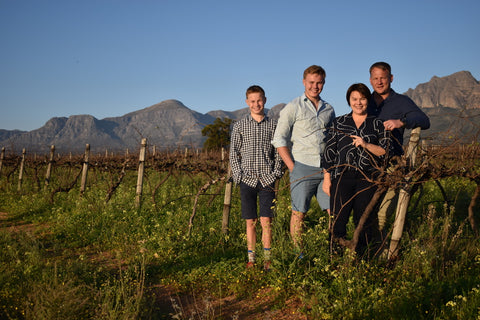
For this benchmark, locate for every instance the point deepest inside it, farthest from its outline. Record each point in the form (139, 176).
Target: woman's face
(358, 103)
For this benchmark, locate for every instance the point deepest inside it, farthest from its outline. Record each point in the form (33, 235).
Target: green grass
(84, 258)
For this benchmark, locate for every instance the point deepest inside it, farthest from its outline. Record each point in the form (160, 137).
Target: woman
(356, 147)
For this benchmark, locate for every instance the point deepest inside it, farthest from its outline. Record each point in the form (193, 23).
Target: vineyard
(156, 235)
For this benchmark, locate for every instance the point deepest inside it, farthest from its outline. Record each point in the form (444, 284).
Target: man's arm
(282, 135)
(235, 157)
(278, 164)
(286, 156)
(416, 118)
(412, 115)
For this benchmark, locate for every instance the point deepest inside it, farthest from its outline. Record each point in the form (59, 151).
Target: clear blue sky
(111, 57)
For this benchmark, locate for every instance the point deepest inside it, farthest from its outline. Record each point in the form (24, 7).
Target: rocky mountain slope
(452, 102)
(458, 91)
(453, 105)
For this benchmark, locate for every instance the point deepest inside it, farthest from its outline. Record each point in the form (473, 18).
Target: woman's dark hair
(360, 87)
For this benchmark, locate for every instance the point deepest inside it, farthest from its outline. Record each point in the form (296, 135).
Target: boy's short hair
(255, 89)
(360, 87)
(381, 65)
(314, 69)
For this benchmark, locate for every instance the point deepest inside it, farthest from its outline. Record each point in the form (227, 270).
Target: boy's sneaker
(250, 264)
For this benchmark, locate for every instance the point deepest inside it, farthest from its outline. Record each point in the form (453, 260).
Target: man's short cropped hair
(255, 89)
(314, 70)
(360, 87)
(381, 65)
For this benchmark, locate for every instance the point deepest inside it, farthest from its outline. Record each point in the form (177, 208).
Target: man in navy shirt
(398, 112)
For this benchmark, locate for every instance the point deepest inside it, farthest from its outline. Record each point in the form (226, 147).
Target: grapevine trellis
(420, 163)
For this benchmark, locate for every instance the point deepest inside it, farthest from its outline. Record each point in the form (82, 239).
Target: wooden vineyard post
(20, 174)
(404, 195)
(141, 168)
(227, 201)
(48, 174)
(83, 184)
(185, 155)
(223, 157)
(2, 157)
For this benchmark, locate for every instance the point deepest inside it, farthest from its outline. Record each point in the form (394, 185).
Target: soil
(190, 307)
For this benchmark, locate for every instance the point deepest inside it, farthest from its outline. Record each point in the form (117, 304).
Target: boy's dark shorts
(249, 195)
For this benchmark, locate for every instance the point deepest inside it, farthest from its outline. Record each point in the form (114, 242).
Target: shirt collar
(251, 118)
(321, 103)
(305, 98)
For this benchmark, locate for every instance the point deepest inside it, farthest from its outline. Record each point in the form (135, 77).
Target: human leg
(364, 191)
(266, 199)
(322, 198)
(296, 227)
(251, 233)
(248, 196)
(341, 204)
(266, 231)
(304, 181)
(266, 223)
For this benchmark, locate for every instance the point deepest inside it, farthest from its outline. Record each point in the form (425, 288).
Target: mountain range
(452, 103)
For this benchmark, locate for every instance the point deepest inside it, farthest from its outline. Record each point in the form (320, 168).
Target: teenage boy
(256, 166)
(300, 141)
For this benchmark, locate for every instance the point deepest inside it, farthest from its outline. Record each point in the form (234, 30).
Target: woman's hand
(373, 148)
(358, 141)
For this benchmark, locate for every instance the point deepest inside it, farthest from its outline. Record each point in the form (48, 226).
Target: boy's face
(313, 85)
(256, 102)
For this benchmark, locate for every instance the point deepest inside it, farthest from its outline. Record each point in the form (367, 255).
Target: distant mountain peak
(170, 103)
(459, 90)
(170, 124)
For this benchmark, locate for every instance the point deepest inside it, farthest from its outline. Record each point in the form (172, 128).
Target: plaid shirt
(253, 158)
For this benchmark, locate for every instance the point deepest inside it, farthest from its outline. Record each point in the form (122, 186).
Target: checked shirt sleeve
(235, 157)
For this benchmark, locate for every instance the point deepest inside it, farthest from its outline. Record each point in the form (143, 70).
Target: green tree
(217, 133)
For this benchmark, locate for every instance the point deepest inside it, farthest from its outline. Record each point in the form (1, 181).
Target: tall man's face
(380, 80)
(313, 83)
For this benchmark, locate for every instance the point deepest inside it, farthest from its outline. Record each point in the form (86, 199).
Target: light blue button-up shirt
(302, 129)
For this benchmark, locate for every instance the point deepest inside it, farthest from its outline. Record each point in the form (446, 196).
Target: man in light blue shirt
(300, 141)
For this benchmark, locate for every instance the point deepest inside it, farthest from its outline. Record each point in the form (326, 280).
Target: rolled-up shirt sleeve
(283, 132)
